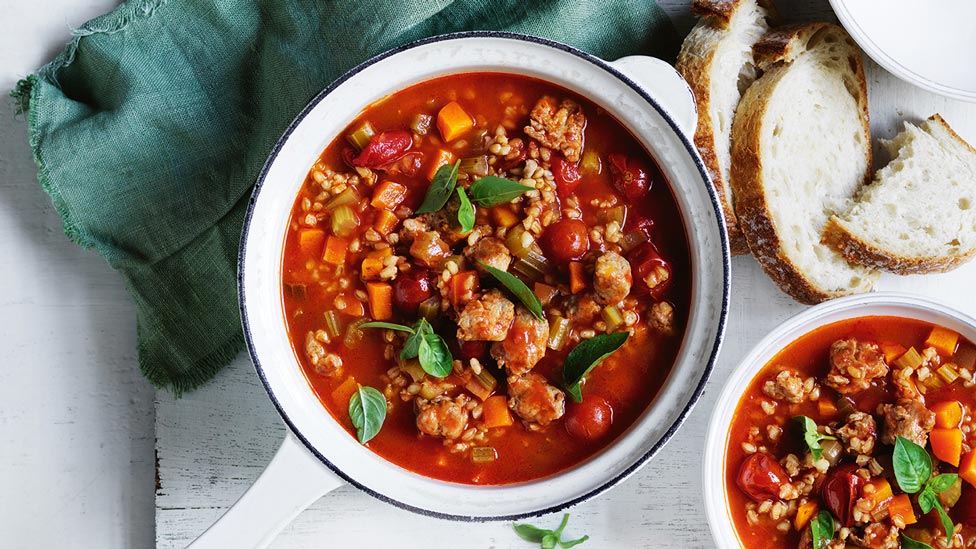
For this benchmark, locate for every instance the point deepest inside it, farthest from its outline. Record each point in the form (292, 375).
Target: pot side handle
(291, 482)
(665, 85)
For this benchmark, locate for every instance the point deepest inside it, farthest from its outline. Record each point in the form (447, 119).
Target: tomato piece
(760, 477)
(964, 510)
(651, 271)
(840, 491)
(629, 176)
(566, 174)
(590, 419)
(473, 349)
(566, 240)
(384, 148)
(410, 288)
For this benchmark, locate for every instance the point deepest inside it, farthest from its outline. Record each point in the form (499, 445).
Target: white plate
(929, 44)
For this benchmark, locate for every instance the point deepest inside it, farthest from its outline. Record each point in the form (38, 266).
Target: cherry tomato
(566, 174)
(760, 477)
(840, 491)
(590, 419)
(384, 148)
(566, 240)
(652, 271)
(410, 288)
(629, 176)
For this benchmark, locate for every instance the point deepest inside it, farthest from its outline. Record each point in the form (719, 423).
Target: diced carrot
(503, 216)
(388, 195)
(349, 305)
(577, 279)
(441, 158)
(462, 285)
(880, 492)
(310, 241)
(967, 468)
(892, 351)
(948, 413)
(380, 296)
(943, 340)
(496, 412)
(804, 513)
(826, 408)
(947, 444)
(385, 222)
(544, 292)
(342, 393)
(901, 506)
(335, 250)
(453, 122)
(371, 268)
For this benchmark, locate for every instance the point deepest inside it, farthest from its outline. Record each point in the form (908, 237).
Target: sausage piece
(442, 417)
(525, 344)
(535, 401)
(853, 365)
(558, 126)
(486, 318)
(907, 418)
(612, 278)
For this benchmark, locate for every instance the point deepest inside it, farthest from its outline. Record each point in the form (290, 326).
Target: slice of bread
(919, 215)
(716, 59)
(801, 149)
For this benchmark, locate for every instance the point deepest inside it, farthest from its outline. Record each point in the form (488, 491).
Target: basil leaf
(909, 543)
(562, 525)
(812, 436)
(491, 191)
(927, 500)
(947, 525)
(822, 530)
(529, 532)
(912, 465)
(573, 542)
(585, 356)
(549, 541)
(387, 325)
(441, 188)
(367, 410)
(465, 212)
(435, 357)
(411, 347)
(518, 288)
(941, 483)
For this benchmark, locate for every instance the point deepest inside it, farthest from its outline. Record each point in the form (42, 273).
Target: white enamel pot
(873, 304)
(318, 455)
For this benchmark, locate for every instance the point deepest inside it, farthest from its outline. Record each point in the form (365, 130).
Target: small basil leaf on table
(529, 532)
(812, 436)
(518, 288)
(388, 326)
(909, 543)
(822, 529)
(465, 212)
(548, 541)
(573, 542)
(585, 356)
(441, 188)
(367, 410)
(435, 357)
(912, 465)
(491, 191)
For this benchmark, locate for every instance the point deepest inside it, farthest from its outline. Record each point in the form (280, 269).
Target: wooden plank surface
(214, 442)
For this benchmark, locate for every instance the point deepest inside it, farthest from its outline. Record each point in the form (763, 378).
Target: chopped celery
(295, 291)
(347, 197)
(361, 136)
(517, 244)
(948, 373)
(950, 496)
(344, 221)
(430, 308)
(354, 336)
(845, 407)
(430, 391)
(533, 266)
(332, 324)
(421, 123)
(482, 384)
(591, 162)
(611, 315)
(483, 454)
(475, 165)
(630, 241)
(617, 213)
(558, 332)
(911, 359)
(413, 368)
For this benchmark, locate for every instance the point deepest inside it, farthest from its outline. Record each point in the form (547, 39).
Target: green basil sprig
(913, 467)
(441, 188)
(585, 356)
(822, 529)
(909, 543)
(547, 539)
(465, 212)
(812, 436)
(518, 288)
(491, 191)
(367, 410)
(423, 344)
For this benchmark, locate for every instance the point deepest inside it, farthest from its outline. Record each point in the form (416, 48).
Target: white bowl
(874, 304)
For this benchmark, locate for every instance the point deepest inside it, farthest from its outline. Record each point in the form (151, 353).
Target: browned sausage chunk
(558, 126)
(492, 252)
(662, 317)
(486, 318)
(859, 434)
(788, 386)
(535, 401)
(611, 278)
(443, 416)
(909, 419)
(853, 365)
(525, 344)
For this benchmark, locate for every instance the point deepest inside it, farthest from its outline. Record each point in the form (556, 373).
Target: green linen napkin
(151, 127)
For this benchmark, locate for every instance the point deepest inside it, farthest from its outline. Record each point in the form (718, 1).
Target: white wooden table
(76, 461)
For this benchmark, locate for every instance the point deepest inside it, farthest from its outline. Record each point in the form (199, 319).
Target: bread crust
(746, 176)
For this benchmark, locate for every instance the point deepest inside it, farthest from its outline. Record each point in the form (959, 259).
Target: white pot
(875, 304)
(318, 455)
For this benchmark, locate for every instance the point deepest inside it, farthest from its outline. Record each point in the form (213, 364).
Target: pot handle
(665, 85)
(291, 482)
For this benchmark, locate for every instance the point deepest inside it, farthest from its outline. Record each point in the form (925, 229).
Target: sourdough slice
(800, 152)
(919, 215)
(716, 59)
